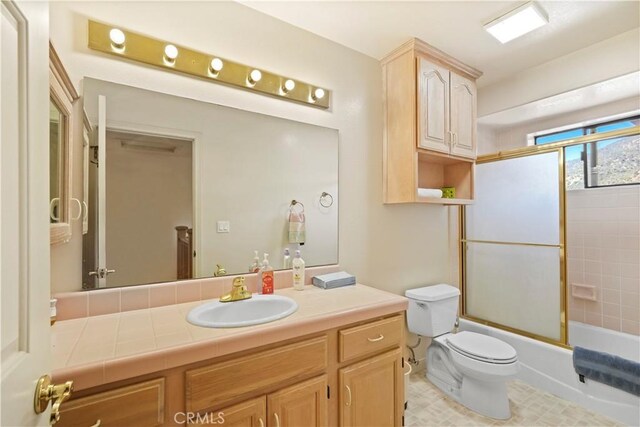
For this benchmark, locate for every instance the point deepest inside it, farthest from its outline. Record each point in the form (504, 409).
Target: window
(601, 163)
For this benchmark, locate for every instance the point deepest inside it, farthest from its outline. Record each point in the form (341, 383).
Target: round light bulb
(289, 85)
(255, 76)
(117, 37)
(171, 52)
(318, 93)
(216, 65)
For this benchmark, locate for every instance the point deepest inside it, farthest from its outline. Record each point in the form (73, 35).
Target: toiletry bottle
(286, 263)
(298, 272)
(266, 276)
(255, 266)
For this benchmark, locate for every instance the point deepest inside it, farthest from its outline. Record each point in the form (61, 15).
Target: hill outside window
(606, 163)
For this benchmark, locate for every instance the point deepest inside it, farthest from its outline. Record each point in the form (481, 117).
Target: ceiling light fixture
(517, 22)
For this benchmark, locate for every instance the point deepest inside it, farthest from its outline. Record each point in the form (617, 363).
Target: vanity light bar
(137, 47)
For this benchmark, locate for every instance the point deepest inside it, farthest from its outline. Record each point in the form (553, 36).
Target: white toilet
(471, 368)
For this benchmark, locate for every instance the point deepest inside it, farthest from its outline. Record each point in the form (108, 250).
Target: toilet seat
(482, 348)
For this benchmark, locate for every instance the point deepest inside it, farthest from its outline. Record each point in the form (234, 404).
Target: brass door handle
(376, 339)
(277, 419)
(47, 392)
(97, 424)
(348, 402)
(261, 422)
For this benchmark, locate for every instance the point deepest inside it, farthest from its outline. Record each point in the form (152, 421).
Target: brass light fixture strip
(148, 50)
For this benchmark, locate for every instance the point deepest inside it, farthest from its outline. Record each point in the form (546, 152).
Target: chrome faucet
(238, 291)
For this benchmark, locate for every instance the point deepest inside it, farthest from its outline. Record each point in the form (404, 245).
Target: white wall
(610, 58)
(389, 247)
(148, 195)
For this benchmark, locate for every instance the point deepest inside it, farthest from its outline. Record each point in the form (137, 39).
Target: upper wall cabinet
(430, 124)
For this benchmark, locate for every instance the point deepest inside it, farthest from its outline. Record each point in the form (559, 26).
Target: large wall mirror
(62, 95)
(180, 189)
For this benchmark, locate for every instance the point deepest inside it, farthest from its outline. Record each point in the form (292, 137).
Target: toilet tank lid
(433, 293)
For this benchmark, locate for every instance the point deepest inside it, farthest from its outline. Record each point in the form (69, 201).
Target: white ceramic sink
(259, 309)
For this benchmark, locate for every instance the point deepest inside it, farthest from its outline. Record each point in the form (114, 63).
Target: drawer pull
(97, 424)
(378, 338)
(348, 403)
(277, 419)
(261, 422)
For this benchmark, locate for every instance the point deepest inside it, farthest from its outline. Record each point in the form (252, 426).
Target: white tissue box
(334, 280)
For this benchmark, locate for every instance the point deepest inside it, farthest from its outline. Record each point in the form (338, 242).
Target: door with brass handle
(56, 393)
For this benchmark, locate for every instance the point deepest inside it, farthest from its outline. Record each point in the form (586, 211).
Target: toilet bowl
(469, 367)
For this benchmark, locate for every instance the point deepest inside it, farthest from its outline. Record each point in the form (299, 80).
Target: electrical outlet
(224, 226)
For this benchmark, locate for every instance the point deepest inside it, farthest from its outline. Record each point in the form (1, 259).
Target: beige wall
(389, 247)
(148, 195)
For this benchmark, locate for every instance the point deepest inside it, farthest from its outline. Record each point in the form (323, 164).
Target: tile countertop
(102, 349)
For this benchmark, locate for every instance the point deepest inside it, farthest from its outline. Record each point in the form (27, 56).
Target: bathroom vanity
(336, 361)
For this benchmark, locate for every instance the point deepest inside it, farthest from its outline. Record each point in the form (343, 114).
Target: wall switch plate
(224, 226)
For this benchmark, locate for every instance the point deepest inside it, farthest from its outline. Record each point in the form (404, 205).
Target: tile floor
(428, 406)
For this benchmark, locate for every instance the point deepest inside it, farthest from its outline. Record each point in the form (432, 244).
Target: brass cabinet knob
(47, 392)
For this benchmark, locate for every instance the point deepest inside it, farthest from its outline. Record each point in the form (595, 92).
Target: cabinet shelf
(443, 201)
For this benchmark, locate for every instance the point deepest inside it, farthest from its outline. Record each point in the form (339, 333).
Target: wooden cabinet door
(372, 392)
(252, 413)
(433, 106)
(463, 116)
(301, 405)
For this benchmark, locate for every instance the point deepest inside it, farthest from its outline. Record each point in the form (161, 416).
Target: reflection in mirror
(56, 160)
(183, 189)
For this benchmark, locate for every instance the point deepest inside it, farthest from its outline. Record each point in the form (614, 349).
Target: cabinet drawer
(371, 337)
(140, 404)
(212, 385)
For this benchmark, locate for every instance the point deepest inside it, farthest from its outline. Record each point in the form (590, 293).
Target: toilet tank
(432, 309)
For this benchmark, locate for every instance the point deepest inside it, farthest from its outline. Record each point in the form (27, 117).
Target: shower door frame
(557, 147)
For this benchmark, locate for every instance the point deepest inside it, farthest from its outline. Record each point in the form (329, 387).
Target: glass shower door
(512, 245)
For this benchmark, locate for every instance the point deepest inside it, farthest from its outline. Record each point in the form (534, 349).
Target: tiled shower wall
(603, 250)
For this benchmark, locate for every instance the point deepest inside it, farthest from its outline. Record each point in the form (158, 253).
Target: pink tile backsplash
(163, 294)
(134, 298)
(104, 302)
(603, 250)
(72, 305)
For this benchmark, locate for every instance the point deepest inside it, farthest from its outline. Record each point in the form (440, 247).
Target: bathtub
(550, 368)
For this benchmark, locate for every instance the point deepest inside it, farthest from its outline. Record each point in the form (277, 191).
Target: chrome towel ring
(326, 200)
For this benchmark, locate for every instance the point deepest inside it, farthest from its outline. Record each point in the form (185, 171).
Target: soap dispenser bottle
(255, 266)
(298, 272)
(286, 263)
(266, 276)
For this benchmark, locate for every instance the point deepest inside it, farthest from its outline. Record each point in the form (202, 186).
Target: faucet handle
(238, 282)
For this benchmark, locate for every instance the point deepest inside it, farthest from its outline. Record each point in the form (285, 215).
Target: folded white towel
(430, 192)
